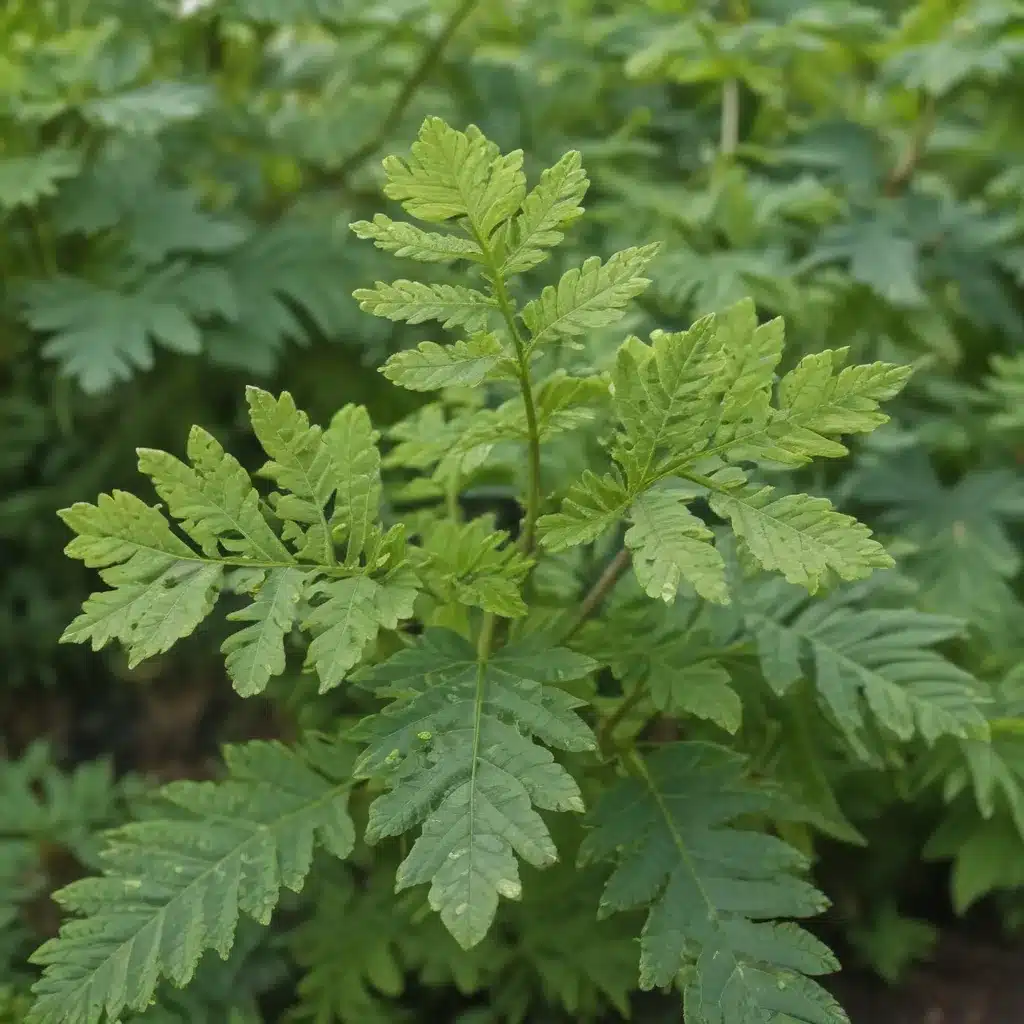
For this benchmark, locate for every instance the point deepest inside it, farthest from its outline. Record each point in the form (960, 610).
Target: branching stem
(599, 591)
(417, 77)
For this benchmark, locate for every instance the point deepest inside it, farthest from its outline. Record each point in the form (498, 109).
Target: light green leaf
(798, 535)
(593, 505)
(355, 458)
(670, 545)
(24, 180)
(343, 627)
(453, 305)
(430, 366)
(550, 207)
(700, 688)
(410, 242)
(593, 295)
(456, 174)
(256, 653)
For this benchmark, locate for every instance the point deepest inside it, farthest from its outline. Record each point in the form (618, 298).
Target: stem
(599, 591)
(730, 136)
(485, 641)
(533, 490)
(607, 728)
(901, 174)
(418, 76)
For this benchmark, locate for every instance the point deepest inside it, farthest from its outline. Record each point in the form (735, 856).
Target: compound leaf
(430, 367)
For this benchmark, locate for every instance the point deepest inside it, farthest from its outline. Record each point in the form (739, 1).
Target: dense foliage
(582, 568)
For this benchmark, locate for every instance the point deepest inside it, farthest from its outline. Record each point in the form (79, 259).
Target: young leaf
(449, 174)
(712, 889)
(173, 888)
(551, 206)
(593, 505)
(455, 748)
(430, 367)
(410, 242)
(453, 305)
(593, 295)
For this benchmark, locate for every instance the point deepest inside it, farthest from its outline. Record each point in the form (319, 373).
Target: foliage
(177, 183)
(481, 700)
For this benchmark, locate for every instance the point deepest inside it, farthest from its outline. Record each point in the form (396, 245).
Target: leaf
(174, 887)
(593, 505)
(712, 890)
(24, 180)
(670, 545)
(455, 749)
(587, 297)
(800, 536)
(343, 626)
(214, 499)
(352, 442)
(700, 688)
(410, 242)
(449, 174)
(550, 207)
(472, 563)
(415, 302)
(256, 653)
(148, 109)
(884, 656)
(430, 367)
(101, 336)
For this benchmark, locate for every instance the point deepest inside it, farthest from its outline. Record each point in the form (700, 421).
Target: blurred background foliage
(176, 182)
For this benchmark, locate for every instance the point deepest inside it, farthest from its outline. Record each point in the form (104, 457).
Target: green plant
(478, 640)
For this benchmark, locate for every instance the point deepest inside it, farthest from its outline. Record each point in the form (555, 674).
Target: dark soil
(967, 982)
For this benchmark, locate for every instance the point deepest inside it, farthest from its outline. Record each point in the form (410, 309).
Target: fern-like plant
(490, 720)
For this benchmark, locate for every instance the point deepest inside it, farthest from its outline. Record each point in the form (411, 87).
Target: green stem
(598, 592)
(533, 491)
(419, 75)
(606, 730)
(486, 639)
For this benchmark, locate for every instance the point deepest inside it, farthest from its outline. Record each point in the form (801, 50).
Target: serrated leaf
(255, 654)
(352, 442)
(593, 505)
(670, 545)
(587, 297)
(700, 688)
(214, 499)
(415, 302)
(343, 626)
(174, 887)
(550, 207)
(802, 537)
(410, 242)
(456, 752)
(449, 174)
(430, 366)
(712, 889)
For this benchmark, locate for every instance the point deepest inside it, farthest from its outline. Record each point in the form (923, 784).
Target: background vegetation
(176, 184)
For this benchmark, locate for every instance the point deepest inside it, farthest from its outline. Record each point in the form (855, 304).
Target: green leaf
(593, 505)
(550, 207)
(256, 653)
(802, 537)
(343, 627)
(174, 887)
(413, 301)
(455, 749)
(700, 688)
(456, 174)
(713, 890)
(410, 242)
(24, 180)
(352, 442)
(214, 499)
(587, 297)
(430, 367)
(472, 563)
(670, 545)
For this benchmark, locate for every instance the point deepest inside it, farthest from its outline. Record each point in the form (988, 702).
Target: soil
(967, 982)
